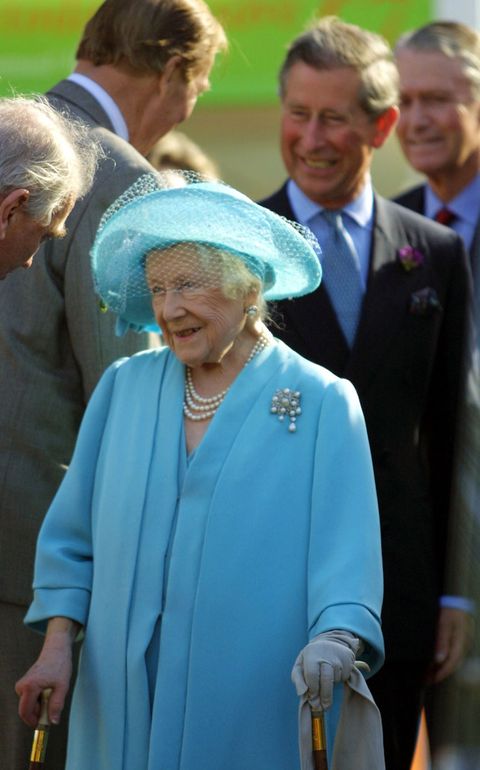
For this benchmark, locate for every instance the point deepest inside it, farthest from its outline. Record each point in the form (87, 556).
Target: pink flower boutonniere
(410, 258)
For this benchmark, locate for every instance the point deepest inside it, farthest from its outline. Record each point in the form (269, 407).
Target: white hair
(49, 154)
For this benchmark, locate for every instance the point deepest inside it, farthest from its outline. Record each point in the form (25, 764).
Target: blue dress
(198, 584)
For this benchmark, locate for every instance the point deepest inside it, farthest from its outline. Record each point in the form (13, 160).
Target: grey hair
(451, 38)
(46, 153)
(331, 44)
(237, 280)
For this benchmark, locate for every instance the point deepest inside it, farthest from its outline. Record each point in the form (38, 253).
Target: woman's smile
(186, 333)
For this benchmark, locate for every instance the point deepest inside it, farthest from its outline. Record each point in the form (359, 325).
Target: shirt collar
(106, 102)
(465, 205)
(360, 209)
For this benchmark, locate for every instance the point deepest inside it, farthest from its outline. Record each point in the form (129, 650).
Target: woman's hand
(326, 660)
(52, 669)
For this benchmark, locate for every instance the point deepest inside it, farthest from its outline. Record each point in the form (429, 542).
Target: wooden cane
(319, 742)
(40, 737)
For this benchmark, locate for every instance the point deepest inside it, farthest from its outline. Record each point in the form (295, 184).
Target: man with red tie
(439, 125)
(439, 132)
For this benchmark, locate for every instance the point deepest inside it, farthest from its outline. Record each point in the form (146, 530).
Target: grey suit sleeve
(54, 345)
(91, 331)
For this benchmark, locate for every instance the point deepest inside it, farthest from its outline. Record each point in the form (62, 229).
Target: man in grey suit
(46, 163)
(439, 125)
(389, 316)
(140, 68)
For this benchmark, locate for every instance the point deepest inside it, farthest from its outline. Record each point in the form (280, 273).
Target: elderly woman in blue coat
(218, 522)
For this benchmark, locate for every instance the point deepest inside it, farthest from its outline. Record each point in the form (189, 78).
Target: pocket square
(424, 302)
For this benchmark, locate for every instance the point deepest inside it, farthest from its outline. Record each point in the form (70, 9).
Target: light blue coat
(199, 583)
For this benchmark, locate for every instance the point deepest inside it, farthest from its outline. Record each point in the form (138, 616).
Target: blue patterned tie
(341, 274)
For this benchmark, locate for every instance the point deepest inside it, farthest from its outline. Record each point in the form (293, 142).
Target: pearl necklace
(195, 406)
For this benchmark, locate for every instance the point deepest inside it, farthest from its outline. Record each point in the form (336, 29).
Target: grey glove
(327, 659)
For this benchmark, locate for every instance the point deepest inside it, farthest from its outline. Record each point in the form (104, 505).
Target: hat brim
(211, 214)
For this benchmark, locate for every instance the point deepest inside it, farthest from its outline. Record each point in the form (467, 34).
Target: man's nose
(416, 114)
(314, 135)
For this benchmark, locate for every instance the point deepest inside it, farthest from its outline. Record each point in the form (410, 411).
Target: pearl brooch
(286, 403)
(197, 407)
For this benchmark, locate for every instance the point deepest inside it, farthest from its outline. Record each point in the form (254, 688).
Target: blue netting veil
(176, 230)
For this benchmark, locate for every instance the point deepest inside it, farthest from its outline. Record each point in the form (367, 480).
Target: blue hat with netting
(198, 219)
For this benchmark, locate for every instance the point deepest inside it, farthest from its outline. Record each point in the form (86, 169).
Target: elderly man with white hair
(46, 164)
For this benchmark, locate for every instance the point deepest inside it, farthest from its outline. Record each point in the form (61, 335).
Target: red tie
(444, 216)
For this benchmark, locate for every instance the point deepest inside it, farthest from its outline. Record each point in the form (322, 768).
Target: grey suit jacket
(54, 344)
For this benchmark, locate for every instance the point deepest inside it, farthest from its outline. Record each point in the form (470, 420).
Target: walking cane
(40, 737)
(319, 743)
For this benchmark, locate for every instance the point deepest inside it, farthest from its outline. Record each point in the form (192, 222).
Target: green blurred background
(237, 121)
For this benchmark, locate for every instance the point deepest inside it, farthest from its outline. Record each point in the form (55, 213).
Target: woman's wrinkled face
(198, 322)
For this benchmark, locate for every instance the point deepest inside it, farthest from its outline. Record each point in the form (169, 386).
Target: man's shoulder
(73, 100)
(69, 97)
(439, 245)
(393, 211)
(119, 151)
(278, 202)
(121, 167)
(413, 198)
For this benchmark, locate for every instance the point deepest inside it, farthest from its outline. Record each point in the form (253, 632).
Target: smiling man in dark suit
(141, 64)
(390, 317)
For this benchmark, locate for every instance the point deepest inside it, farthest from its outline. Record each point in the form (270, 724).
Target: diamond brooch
(286, 404)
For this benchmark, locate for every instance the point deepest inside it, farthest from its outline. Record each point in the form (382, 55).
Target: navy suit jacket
(406, 364)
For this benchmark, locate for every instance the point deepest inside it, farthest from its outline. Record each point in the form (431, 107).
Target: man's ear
(384, 125)
(171, 67)
(9, 205)
(169, 73)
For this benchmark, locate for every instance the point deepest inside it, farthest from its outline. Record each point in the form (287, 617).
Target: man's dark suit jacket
(406, 365)
(414, 199)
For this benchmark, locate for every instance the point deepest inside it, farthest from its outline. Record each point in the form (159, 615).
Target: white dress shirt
(106, 102)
